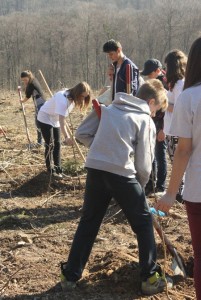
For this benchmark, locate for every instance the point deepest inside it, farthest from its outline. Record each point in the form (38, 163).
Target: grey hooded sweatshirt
(123, 140)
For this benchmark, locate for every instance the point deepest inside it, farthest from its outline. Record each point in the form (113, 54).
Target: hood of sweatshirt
(130, 103)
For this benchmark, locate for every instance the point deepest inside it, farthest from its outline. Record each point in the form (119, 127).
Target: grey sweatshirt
(123, 140)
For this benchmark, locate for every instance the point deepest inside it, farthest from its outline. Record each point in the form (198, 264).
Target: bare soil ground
(38, 218)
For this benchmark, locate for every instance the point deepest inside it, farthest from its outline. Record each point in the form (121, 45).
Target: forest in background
(64, 38)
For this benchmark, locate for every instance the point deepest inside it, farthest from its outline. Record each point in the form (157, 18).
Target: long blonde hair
(76, 91)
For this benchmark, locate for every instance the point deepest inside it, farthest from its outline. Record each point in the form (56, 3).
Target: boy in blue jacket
(118, 166)
(115, 54)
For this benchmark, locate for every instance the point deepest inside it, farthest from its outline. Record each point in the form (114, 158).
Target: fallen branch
(10, 277)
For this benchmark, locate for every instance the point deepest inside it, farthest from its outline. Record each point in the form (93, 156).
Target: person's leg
(47, 133)
(96, 201)
(151, 185)
(57, 149)
(130, 196)
(161, 165)
(39, 136)
(194, 218)
(39, 133)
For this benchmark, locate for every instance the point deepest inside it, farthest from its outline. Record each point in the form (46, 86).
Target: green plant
(73, 168)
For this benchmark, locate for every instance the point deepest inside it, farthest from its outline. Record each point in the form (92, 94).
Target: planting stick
(67, 127)
(24, 116)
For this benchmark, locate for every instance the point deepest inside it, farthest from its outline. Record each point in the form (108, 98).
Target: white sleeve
(182, 119)
(178, 88)
(60, 105)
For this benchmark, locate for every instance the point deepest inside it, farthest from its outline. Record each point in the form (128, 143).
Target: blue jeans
(101, 186)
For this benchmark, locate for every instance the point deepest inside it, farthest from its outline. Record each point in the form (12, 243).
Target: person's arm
(144, 152)
(181, 159)
(87, 129)
(24, 100)
(170, 107)
(161, 135)
(134, 80)
(68, 140)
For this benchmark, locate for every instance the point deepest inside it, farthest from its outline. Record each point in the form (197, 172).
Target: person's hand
(161, 136)
(68, 141)
(165, 203)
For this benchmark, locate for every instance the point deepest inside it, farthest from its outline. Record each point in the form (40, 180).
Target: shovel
(177, 265)
(24, 117)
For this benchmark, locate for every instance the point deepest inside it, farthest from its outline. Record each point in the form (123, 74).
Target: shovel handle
(128, 79)
(97, 107)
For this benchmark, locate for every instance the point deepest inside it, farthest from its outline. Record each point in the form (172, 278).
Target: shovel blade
(175, 268)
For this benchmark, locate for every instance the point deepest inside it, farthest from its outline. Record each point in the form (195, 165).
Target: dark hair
(28, 74)
(111, 45)
(193, 69)
(176, 62)
(76, 91)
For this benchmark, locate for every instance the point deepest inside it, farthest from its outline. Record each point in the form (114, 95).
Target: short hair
(111, 45)
(154, 89)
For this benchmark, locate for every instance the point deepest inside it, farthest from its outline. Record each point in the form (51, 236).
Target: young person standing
(186, 124)
(153, 70)
(111, 172)
(51, 118)
(120, 61)
(33, 89)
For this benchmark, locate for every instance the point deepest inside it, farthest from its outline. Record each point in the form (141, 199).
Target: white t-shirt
(59, 104)
(172, 99)
(186, 123)
(106, 97)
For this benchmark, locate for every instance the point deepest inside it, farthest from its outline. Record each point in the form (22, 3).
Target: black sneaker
(149, 190)
(58, 172)
(65, 284)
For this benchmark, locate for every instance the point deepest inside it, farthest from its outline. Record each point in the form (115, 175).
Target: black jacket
(121, 77)
(34, 89)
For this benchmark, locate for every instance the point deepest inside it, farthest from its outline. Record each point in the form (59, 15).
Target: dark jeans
(39, 133)
(160, 164)
(52, 138)
(159, 167)
(100, 188)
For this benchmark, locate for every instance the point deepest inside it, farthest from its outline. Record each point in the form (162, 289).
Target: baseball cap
(151, 65)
